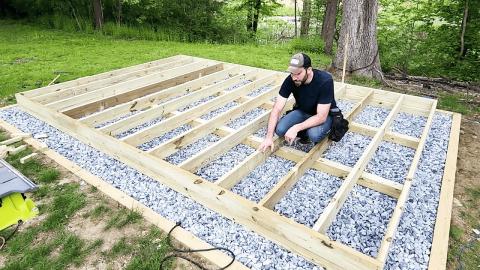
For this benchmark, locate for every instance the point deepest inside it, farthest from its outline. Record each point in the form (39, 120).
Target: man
(313, 93)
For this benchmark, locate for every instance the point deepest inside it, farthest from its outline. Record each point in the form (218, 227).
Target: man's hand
(268, 142)
(291, 134)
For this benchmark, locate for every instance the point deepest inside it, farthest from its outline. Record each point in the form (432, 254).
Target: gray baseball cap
(299, 61)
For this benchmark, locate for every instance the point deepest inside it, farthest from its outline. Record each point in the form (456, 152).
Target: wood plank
(368, 180)
(314, 246)
(78, 90)
(340, 196)
(397, 213)
(438, 253)
(152, 81)
(94, 103)
(294, 174)
(238, 172)
(153, 131)
(17, 150)
(105, 75)
(414, 105)
(224, 144)
(390, 136)
(147, 101)
(26, 158)
(171, 105)
(186, 238)
(170, 146)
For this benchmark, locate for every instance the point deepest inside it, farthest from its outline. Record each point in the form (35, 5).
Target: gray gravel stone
(309, 196)
(391, 161)
(100, 125)
(345, 105)
(196, 103)
(140, 127)
(165, 137)
(225, 163)
(261, 133)
(192, 149)
(372, 116)
(237, 85)
(348, 150)
(220, 110)
(409, 124)
(412, 242)
(250, 249)
(363, 219)
(260, 90)
(256, 184)
(246, 118)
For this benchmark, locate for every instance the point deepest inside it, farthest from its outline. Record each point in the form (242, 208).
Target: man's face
(299, 77)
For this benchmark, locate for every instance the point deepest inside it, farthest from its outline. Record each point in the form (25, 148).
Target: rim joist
(161, 88)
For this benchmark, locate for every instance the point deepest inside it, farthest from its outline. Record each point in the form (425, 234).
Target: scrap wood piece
(27, 158)
(40, 136)
(4, 150)
(15, 137)
(17, 150)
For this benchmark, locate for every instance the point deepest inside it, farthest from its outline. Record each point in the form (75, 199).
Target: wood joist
(131, 97)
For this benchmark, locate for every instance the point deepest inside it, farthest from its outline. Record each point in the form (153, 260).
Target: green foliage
(70, 248)
(456, 232)
(67, 201)
(189, 20)
(121, 247)
(423, 38)
(48, 175)
(365, 81)
(151, 249)
(453, 102)
(308, 45)
(99, 211)
(49, 50)
(122, 218)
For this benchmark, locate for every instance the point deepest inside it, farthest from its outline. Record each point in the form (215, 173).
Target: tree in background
(98, 14)
(359, 23)
(329, 24)
(431, 38)
(255, 9)
(305, 20)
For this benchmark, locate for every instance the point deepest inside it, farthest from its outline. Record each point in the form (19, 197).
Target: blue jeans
(315, 134)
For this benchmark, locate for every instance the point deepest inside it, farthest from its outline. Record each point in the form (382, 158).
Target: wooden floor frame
(148, 91)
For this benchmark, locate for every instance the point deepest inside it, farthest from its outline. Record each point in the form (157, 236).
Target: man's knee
(281, 130)
(316, 134)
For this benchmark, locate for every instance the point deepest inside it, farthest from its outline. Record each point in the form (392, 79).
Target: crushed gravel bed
(361, 222)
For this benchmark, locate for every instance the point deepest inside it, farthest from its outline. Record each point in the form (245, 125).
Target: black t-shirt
(307, 96)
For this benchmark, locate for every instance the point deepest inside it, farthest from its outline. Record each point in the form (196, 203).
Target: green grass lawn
(51, 242)
(30, 55)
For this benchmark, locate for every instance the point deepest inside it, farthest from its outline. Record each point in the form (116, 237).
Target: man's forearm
(272, 123)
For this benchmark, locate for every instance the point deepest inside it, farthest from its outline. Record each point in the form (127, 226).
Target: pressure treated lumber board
(187, 239)
(314, 246)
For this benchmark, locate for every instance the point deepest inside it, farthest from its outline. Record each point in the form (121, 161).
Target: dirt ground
(466, 212)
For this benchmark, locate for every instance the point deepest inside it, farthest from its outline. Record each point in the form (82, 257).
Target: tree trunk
(359, 22)
(329, 25)
(305, 20)
(253, 15)
(295, 18)
(119, 13)
(98, 14)
(464, 28)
